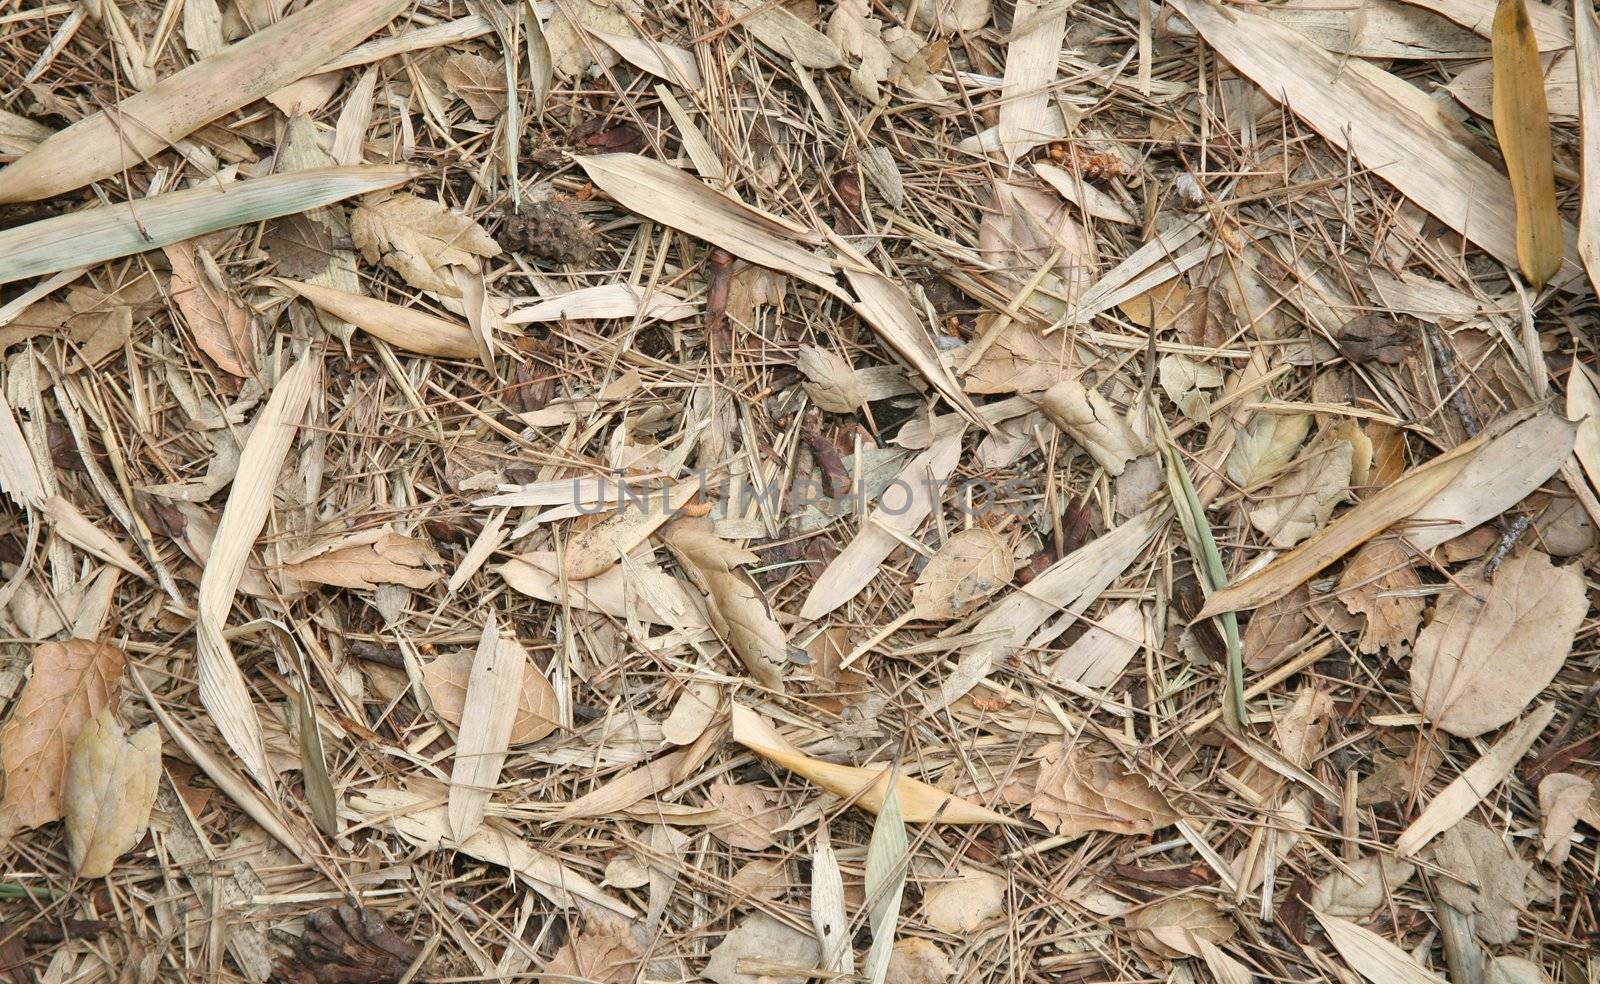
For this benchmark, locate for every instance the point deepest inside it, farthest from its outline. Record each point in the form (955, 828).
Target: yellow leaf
(108, 791)
(1522, 124)
(919, 802)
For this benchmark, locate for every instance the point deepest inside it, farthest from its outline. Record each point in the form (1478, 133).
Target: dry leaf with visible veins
(1564, 799)
(70, 682)
(368, 560)
(420, 240)
(739, 611)
(1488, 879)
(108, 790)
(1274, 627)
(479, 83)
(98, 323)
(965, 903)
(951, 16)
(1090, 420)
(1173, 927)
(749, 812)
(570, 21)
(1479, 663)
(299, 245)
(1374, 584)
(601, 950)
(1077, 792)
(1522, 126)
(1185, 382)
(1364, 888)
(972, 565)
(860, 36)
(220, 323)
(831, 381)
(1265, 446)
(445, 679)
(1303, 500)
(1026, 227)
(763, 938)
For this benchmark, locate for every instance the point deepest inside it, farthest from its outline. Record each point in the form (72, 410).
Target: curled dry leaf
(107, 792)
(972, 565)
(487, 718)
(445, 679)
(479, 83)
(1359, 891)
(69, 683)
(739, 612)
(365, 560)
(1482, 660)
(1303, 500)
(403, 327)
(420, 240)
(1564, 799)
(1185, 382)
(919, 802)
(859, 36)
(1090, 420)
(1078, 791)
(831, 381)
(1174, 927)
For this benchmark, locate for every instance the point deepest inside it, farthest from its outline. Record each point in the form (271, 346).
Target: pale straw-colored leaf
(487, 718)
(888, 855)
(827, 907)
(403, 327)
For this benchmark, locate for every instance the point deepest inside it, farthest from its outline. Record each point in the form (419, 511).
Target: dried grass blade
(1390, 126)
(1522, 124)
(887, 857)
(1378, 960)
(918, 802)
(403, 327)
(486, 721)
(99, 234)
(1586, 42)
(827, 907)
(149, 122)
(1478, 781)
(222, 686)
(74, 527)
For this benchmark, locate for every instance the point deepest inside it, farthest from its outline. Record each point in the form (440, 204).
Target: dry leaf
(1032, 55)
(1377, 583)
(1400, 776)
(99, 323)
(420, 239)
(1378, 960)
(763, 939)
(1564, 799)
(831, 381)
(1522, 125)
(107, 792)
(1586, 51)
(918, 961)
(602, 950)
(972, 565)
(1185, 382)
(1174, 927)
(739, 611)
(750, 817)
(365, 560)
(1160, 306)
(692, 714)
(786, 33)
(404, 327)
(479, 83)
(626, 872)
(1265, 446)
(1301, 502)
(1364, 888)
(966, 903)
(1090, 420)
(1274, 627)
(597, 548)
(70, 682)
(1077, 792)
(1514, 970)
(859, 36)
(1025, 228)
(76, 528)
(1487, 880)
(220, 323)
(445, 679)
(571, 54)
(486, 724)
(1098, 657)
(919, 802)
(1480, 662)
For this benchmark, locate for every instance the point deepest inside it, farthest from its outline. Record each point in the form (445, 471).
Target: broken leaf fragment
(1090, 420)
(420, 240)
(970, 567)
(108, 791)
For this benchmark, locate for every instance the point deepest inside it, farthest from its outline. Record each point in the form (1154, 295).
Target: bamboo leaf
(1522, 124)
(887, 854)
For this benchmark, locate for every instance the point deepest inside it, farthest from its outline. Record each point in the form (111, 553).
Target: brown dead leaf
(1090, 420)
(761, 879)
(1159, 307)
(1364, 888)
(571, 53)
(1487, 878)
(1522, 125)
(445, 679)
(971, 566)
(1376, 583)
(299, 245)
(479, 83)
(1027, 226)
(108, 791)
(1266, 446)
(760, 938)
(1077, 791)
(220, 323)
(1174, 927)
(750, 815)
(1564, 799)
(859, 36)
(1479, 663)
(1373, 338)
(918, 961)
(69, 683)
(366, 560)
(831, 382)
(1400, 776)
(964, 904)
(1274, 627)
(420, 240)
(739, 611)
(98, 323)
(1303, 499)
(602, 950)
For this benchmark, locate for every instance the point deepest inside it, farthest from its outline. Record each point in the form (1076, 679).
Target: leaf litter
(769, 491)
